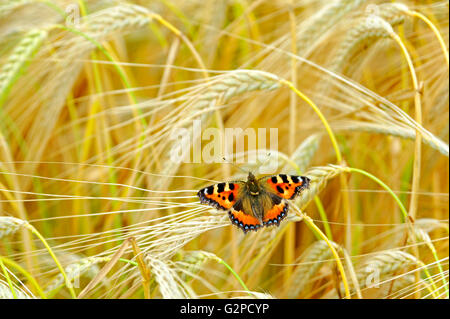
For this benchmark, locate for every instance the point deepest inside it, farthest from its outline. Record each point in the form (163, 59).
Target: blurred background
(92, 206)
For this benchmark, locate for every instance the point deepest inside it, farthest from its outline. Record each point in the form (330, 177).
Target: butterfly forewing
(221, 196)
(286, 186)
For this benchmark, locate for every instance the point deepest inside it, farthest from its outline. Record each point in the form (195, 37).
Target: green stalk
(8, 279)
(221, 261)
(25, 273)
(50, 251)
(387, 188)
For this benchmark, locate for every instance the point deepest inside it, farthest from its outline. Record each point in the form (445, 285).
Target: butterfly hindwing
(242, 220)
(221, 196)
(286, 186)
(253, 213)
(277, 212)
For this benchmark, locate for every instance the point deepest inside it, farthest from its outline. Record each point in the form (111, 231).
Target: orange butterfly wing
(244, 221)
(277, 213)
(287, 186)
(221, 196)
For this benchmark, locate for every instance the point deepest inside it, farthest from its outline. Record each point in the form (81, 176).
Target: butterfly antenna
(240, 168)
(266, 160)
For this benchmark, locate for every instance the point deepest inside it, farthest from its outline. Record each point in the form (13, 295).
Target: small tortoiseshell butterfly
(255, 203)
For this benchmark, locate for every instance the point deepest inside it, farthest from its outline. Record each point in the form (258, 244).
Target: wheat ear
(6, 293)
(365, 33)
(167, 278)
(75, 270)
(10, 225)
(304, 154)
(393, 130)
(319, 177)
(18, 60)
(310, 261)
(322, 21)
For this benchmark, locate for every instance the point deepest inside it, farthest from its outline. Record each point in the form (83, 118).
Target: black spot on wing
(274, 179)
(209, 201)
(275, 199)
(280, 190)
(284, 178)
(221, 187)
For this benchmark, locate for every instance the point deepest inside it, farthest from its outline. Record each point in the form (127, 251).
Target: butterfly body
(255, 203)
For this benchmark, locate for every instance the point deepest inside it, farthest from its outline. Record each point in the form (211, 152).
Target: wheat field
(93, 206)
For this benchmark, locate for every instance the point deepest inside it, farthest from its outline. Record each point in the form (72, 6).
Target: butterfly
(255, 203)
